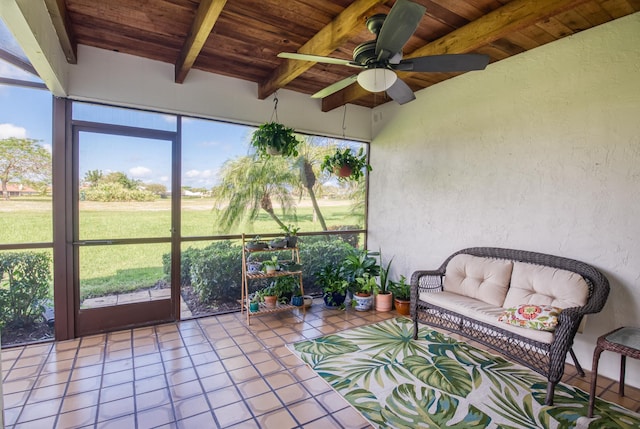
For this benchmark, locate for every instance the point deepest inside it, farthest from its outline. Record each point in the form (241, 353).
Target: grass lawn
(120, 268)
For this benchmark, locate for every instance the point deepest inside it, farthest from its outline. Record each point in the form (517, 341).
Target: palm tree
(248, 186)
(312, 152)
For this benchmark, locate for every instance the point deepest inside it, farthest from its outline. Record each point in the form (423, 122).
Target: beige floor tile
(280, 419)
(232, 414)
(78, 418)
(116, 409)
(264, 403)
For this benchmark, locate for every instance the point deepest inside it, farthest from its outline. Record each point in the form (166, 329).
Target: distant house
(18, 190)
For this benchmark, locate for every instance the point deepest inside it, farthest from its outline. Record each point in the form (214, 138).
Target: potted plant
(345, 164)
(254, 302)
(402, 295)
(256, 244)
(278, 243)
(269, 295)
(334, 286)
(270, 265)
(384, 297)
(253, 266)
(284, 288)
(363, 296)
(273, 138)
(291, 234)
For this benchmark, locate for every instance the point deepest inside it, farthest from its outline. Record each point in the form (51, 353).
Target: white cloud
(140, 171)
(204, 174)
(10, 130)
(164, 179)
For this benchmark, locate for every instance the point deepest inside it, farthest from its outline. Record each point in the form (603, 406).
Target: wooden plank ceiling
(241, 38)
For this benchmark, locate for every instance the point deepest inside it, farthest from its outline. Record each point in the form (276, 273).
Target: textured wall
(539, 152)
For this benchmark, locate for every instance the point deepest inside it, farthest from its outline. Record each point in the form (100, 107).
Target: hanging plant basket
(346, 164)
(273, 138)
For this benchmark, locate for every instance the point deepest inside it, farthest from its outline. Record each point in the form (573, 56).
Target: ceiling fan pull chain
(344, 118)
(275, 107)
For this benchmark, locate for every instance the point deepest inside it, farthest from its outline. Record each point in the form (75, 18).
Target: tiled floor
(204, 373)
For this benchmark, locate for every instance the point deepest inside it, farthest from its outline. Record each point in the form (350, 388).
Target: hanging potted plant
(346, 164)
(402, 295)
(273, 138)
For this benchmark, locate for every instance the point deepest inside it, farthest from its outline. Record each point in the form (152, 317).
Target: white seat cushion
(481, 311)
(485, 279)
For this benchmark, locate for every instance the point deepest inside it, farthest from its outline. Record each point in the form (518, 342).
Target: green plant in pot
(269, 296)
(334, 286)
(291, 234)
(363, 296)
(284, 287)
(402, 295)
(270, 265)
(384, 297)
(256, 244)
(346, 164)
(254, 302)
(273, 138)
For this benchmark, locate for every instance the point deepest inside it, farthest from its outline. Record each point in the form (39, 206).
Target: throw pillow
(540, 317)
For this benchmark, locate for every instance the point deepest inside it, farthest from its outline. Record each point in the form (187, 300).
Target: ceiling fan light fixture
(377, 79)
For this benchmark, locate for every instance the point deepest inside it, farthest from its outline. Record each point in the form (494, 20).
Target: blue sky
(26, 113)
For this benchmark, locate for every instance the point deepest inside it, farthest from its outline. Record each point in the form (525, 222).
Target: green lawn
(119, 268)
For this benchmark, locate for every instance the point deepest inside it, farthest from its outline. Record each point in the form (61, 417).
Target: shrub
(24, 284)
(114, 191)
(185, 265)
(216, 272)
(315, 255)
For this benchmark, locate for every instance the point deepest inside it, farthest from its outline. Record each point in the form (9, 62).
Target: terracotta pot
(343, 171)
(364, 302)
(270, 301)
(403, 307)
(384, 301)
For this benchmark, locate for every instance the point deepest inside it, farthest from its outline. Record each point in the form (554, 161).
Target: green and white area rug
(438, 382)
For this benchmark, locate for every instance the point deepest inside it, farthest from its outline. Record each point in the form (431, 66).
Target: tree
(92, 177)
(248, 186)
(121, 178)
(311, 156)
(157, 189)
(23, 160)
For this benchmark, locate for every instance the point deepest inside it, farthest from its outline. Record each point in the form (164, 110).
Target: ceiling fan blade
(400, 92)
(400, 24)
(335, 87)
(318, 59)
(444, 63)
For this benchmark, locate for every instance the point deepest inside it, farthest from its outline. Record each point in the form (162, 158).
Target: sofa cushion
(540, 317)
(542, 285)
(485, 279)
(482, 312)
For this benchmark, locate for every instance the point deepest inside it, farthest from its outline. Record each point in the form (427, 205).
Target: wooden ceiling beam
(346, 25)
(206, 17)
(60, 19)
(511, 17)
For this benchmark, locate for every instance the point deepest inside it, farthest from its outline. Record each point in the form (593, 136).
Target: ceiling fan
(380, 58)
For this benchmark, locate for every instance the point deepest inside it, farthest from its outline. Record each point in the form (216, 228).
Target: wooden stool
(626, 342)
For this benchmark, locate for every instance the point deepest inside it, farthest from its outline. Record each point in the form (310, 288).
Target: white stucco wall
(539, 152)
(125, 80)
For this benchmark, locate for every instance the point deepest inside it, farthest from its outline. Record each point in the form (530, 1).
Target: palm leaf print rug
(438, 382)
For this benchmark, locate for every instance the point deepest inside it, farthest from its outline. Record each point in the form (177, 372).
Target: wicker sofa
(473, 288)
